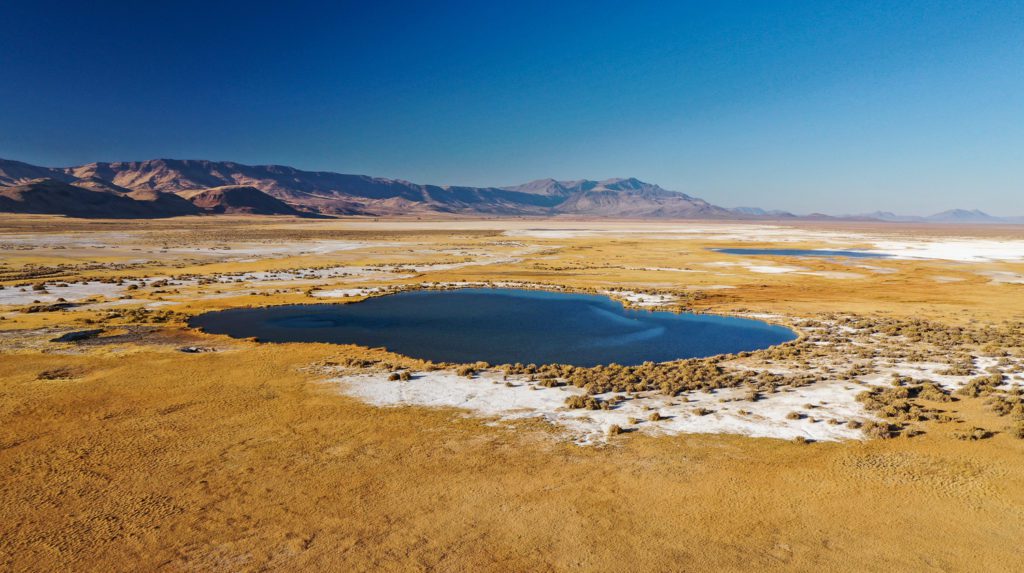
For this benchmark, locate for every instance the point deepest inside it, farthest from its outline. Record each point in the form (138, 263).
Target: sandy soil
(124, 452)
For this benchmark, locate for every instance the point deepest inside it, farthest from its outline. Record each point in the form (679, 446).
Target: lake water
(502, 326)
(804, 253)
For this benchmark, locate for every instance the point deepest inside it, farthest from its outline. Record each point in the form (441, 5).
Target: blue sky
(842, 107)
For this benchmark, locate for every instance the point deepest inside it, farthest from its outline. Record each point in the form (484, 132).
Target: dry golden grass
(140, 457)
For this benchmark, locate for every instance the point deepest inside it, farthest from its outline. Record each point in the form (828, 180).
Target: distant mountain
(297, 191)
(620, 198)
(107, 201)
(171, 187)
(759, 212)
(232, 199)
(962, 216)
(49, 196)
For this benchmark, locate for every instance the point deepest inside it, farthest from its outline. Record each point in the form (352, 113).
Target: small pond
(804, 253)
(502, 326)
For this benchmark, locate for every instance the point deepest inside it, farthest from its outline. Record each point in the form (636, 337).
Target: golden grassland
(132, 455)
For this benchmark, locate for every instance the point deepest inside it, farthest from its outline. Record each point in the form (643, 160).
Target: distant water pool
(805, 253)
(502, 326)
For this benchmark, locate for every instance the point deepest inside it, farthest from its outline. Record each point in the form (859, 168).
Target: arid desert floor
(887, 437)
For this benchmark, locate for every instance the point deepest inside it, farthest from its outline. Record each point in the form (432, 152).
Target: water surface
(502, 326)
(805, 253)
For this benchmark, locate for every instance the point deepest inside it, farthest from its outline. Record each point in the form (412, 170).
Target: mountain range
(172, 187)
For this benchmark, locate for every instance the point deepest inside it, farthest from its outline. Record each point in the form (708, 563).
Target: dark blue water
(804, 253)
(501, 326)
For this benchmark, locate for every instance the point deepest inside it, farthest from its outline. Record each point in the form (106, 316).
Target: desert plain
(887, 437)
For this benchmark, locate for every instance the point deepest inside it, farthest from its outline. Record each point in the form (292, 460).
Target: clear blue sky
(838, 107)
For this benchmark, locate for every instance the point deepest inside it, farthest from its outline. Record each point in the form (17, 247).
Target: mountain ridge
(328, 193)
(171, 187)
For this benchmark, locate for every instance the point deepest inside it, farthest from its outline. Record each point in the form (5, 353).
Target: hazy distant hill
(963, 216)
(759, 212)
(171, 187)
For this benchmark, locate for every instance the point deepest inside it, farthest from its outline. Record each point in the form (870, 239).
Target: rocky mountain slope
(53, 197)
(292, 190)
(233, 199)
(172, 187)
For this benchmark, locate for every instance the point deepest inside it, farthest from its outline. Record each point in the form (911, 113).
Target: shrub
(614, 430)
(882, 430)
(794, 416)
(980, 385)
(588, 402)
(654, 417)
(930, 391)
(973, 434)
(702, 411)
(393, 377)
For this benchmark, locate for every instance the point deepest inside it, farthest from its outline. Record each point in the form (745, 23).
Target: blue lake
(501, 326)
(804, 253)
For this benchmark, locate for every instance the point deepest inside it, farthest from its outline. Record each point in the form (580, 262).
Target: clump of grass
(701, 411)
(61, 373)
(931, 391)
(393, 377)
(584, 402)
(973, 434)
(468, 371)
(794, 416)
(654, 417)
(981, 385)
(614, 430)
(1008, 405)
(882, 430)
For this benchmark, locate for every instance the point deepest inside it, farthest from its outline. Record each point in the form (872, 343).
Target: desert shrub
(931, 391)
(393, 376)
(981, 385)
(959, 369)
(614, 430)
(654, 417)
(972, 434)
(404, 376)
(882, 430)
(1009, 405)
(702, 411)
(794, 416)
(467, 370)
(587, 402)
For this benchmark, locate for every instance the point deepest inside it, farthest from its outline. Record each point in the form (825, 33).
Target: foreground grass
(239, 460)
